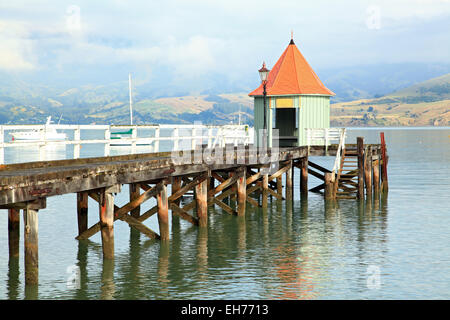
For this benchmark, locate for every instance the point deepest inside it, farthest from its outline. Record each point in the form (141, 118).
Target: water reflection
(291, 250)
(202, 253)
(13, 281)
(163, 268)
(108, 287)
(82, 263)
(31, 292)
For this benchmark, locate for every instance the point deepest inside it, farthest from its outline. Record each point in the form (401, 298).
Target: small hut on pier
(296, 99)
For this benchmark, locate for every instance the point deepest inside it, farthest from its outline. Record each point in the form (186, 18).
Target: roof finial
(292, 37)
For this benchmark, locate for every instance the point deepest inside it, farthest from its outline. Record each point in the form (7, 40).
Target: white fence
(148, 137)
(324, 136)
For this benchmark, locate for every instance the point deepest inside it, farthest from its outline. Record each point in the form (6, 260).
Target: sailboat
(119, 135)
(48, 133)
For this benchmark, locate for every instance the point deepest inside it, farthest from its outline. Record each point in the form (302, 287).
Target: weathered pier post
(280, 184)
(82, 211)
(30, 219)
(329, 186)
(201, 198)
(265, 186)
(211, 183)
(106, 206)
(241, 190)
(176, 185)
(360, 151)
(289, 178)
(134, 194)
(13, 232)
(232, 197)
(304, 177)
(376, 176)
(368, 171)
(384, 161)
(163, 213)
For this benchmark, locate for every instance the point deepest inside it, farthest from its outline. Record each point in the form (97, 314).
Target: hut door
(285, 122)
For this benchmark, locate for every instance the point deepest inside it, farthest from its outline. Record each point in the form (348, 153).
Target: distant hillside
(367, 88)
(423, 104)
(374, 81)
(92, 106)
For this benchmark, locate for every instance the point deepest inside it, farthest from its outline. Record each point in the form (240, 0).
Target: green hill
(423, 104)
(435, 89)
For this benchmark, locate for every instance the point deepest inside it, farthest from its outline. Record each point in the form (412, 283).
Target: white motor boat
(48, 133)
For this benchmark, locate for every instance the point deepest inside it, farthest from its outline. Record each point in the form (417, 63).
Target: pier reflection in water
(291, 250)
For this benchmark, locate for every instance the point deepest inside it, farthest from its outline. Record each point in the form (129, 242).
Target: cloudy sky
(192, 38)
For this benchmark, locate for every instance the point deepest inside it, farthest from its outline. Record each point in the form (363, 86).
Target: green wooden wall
(314, 112)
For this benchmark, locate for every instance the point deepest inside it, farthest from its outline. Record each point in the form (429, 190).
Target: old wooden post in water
(304, 177)
(30, 219)
(289, 175)
(368, 171)
(376, 176)
(241, 191)
(163, 213)
(82, 211)
(329, 186)
(13, 232)
(360, 151)
(134, 194)
(384, 161)
(201, 196)
(106, 207)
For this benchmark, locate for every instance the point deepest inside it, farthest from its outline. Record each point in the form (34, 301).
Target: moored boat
(49, 132)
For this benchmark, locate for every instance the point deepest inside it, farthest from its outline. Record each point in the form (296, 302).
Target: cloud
(232, 38)
(16, 50)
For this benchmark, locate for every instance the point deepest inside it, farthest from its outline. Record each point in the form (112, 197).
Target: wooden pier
(231, 178)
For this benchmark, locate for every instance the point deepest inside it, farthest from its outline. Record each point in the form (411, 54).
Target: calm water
(298, 250)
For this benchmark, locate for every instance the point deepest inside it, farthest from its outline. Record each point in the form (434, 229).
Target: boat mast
(239, 114)
(131, 100)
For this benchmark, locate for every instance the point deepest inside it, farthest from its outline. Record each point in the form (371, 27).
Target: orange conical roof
(292, 75)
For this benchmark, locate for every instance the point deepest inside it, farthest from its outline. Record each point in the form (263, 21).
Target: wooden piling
(329, 186)
(13, 232)
(106, 208)
(176, 185)
(265, 189)
(134, 194)
(211, 183)
(376, 176)
(304, 177)
(368, 171)
(82, 211)
(163, 213)
(289, 182)
(201, 198)
(241, 191)
(30, 218)
(280, 185)
(360, 151)
(384, 161)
